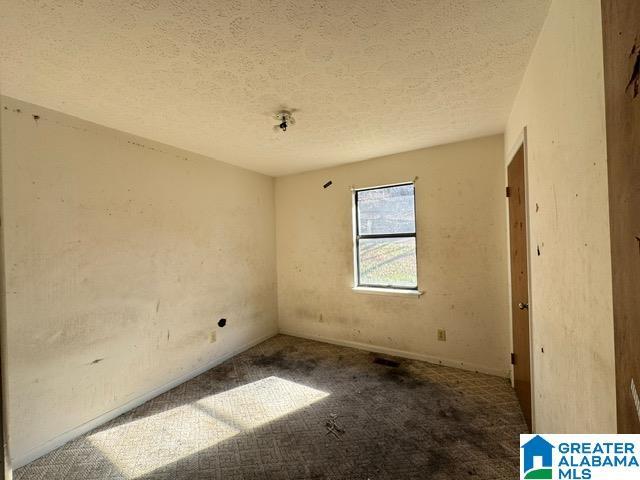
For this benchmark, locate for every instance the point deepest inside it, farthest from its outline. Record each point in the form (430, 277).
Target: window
(385, 237)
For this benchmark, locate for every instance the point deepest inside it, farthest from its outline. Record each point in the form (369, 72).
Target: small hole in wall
(222, 322)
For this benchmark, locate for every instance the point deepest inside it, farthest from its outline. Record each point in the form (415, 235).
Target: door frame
(521, 141)
(6, 472)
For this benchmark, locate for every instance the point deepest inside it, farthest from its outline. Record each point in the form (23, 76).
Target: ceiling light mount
(285, 120)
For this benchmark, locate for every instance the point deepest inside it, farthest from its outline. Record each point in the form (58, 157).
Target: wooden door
(521, 358)
(621, 32)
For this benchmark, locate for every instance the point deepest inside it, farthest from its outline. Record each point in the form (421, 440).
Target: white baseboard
(69, 435)
(399, 353)
(65, 437)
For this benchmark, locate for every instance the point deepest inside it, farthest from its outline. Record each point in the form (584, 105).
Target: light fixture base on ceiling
(285, 120)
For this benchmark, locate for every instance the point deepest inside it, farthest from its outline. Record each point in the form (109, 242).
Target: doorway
(521, 356)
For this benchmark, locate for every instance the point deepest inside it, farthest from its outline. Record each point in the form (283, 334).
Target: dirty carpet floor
(263, 415)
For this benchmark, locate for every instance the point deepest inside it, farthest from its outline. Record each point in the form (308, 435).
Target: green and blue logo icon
(537, 459)
(579, 457)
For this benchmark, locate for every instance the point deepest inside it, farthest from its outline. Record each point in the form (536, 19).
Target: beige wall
(121, 256)
(462, 257)
(561, 101)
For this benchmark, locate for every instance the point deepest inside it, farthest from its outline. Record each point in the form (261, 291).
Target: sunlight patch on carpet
(148, 444)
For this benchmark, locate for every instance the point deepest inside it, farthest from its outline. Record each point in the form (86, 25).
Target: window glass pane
(386, 210)
(388, 262)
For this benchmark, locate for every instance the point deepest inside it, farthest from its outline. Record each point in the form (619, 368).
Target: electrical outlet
(442, 335)
(212, 337)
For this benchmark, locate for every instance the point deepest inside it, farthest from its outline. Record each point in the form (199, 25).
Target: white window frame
(379, 289)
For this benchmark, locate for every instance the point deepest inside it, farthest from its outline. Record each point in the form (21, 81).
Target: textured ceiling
(369, 77)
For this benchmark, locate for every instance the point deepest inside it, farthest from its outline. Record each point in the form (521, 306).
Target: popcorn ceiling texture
(370, 77)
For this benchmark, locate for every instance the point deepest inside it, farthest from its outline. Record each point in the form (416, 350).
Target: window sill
(387, 291)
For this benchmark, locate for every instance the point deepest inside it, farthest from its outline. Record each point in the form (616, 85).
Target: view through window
(385, 239)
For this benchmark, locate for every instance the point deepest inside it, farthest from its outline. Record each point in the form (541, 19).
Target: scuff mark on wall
(555, 204)
(634, 79)
(142, 145)
(97, 360)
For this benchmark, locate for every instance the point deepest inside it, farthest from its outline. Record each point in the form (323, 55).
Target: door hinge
(508, 192)
(513, 359)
